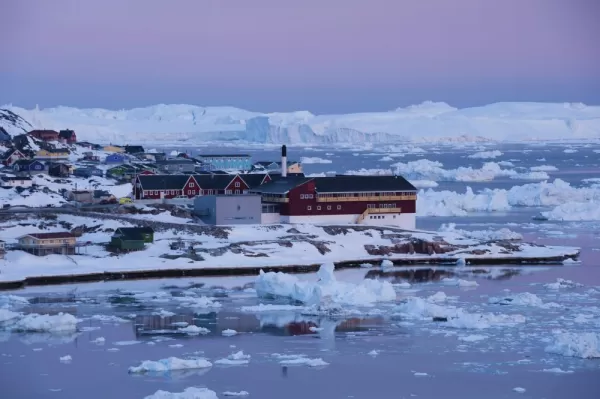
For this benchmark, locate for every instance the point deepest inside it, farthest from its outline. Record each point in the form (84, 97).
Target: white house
(12, 182)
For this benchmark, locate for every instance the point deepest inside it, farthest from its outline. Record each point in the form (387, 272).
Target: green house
(132, 238)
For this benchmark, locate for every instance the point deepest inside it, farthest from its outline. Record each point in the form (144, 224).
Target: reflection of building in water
(147, 323)
(411, 275)
(242, 322)
(303, 327)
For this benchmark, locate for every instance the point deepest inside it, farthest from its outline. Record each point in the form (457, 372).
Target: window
(308, 208)
(318, 207)
(339, 207)
(190, 192)
(328, 207)
(191, 184)
(237, 192)
(237, 183)
(228, 192)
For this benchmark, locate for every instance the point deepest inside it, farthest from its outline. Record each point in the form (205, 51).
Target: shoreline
(254, 270)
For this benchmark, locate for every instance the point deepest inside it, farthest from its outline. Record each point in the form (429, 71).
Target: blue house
(242, 162)
(28, 166)
(88, 172)
(116, 159)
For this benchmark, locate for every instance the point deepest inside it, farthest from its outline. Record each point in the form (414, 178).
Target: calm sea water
(507, 358)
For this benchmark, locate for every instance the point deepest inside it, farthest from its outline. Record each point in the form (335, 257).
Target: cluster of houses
(124, 239)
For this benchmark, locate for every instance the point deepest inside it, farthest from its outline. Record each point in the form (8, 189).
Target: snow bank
(584, 345)
(327, 289)
(486, 235)
(169, 364)
(188, 393)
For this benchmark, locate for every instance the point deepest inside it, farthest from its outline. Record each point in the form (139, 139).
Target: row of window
(189, 192)
(307, 196)
(309, 208)
(372, 206)
(367, 194)
(379, 217)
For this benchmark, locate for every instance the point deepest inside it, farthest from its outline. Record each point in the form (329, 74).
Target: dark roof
(338, 184)
(214, 182)
(178, 161)
(101, 193)
(12, 178)
(25, 162)
(58, 165)
(133, 149)
(130, 233)
(57, 150)
(277, 175)
(224, 156)
(66, 134)
(281, 186)
(163, 182)
(353, 183)
(253, 179)
(46, 236)
(265, 163)
(43, 131)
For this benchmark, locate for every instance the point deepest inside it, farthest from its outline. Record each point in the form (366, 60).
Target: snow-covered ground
(246, 246)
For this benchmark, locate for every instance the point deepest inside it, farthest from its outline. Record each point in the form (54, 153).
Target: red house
(45, 135)
(12, 156)
(375, 200)
(67, 136)
(171, 186)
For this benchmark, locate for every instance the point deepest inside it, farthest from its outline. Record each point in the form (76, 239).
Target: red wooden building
(67, 136)
(45, 135)
(172, 186)
(376, 200)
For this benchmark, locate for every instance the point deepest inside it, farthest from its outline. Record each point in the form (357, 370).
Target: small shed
(58, 170)
(131, 238)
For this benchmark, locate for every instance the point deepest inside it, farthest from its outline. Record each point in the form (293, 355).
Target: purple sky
(280, 55)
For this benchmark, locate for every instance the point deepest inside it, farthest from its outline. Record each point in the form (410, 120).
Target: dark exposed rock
(286, 243)
(439, 318)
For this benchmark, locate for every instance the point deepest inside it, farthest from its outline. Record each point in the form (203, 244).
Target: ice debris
(584, 345)
(171, 363)
(327, 289)
(188, 393)
(235, 359)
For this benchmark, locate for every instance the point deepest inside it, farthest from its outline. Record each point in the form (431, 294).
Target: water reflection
(434, 275)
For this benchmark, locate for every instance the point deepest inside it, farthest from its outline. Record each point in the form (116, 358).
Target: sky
(325, 56)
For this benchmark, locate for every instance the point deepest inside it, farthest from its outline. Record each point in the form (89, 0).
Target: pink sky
(323, 55)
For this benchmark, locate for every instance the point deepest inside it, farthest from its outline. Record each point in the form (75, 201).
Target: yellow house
(48, 243)
(113, 148)
(52, 154)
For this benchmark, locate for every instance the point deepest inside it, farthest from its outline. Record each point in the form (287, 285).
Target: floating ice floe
(65, 359)
(228, 332)
(261, 307)
(543, 168)
(522, 299)
(459, 282)
(301, 360)
(193, 330)
(327, 289)
(421, 309)
(188, 393)
(33, 322)
(562, 284)
(235, 359)
(486, 154)
(163, 313)
(169, 364)
(585, 345)
(240, 393)
(488, 235)
(519, 389)
(374, 352)
(575, 211)
(99, 341)
(473, 338)
(557, 370)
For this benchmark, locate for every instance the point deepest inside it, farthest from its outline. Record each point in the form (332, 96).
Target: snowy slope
(424, 122)
(13, 123)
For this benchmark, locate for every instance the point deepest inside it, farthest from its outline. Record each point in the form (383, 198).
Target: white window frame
(328, 207)
(237, 183)
(309, 208)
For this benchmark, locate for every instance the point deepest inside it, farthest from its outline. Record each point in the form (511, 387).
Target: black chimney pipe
(283, 151)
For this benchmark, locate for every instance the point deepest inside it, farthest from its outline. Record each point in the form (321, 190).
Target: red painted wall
(298, 206)
(191, 188)
(242, 186)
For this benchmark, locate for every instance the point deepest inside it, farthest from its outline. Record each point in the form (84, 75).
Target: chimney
(283, 161)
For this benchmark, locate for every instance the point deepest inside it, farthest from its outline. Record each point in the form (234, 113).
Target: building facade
(44, 135)
(51, 154)
(181, 165)
(67, 136)
(28, 167)
(371, 200)
(172, 186)
(12, 156)
(12, 182)
(241, 162)
(115, 159)
(228, 209)
(41, 244)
